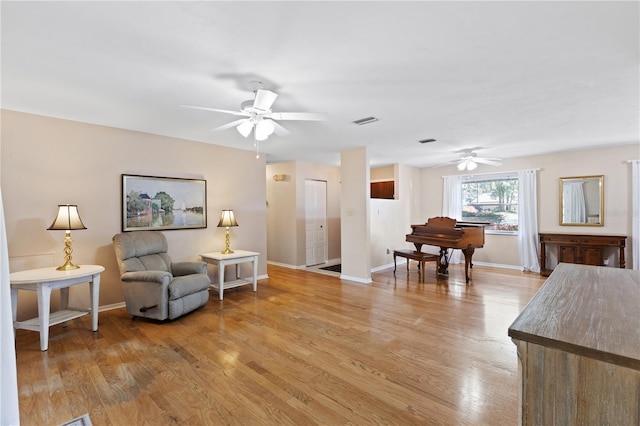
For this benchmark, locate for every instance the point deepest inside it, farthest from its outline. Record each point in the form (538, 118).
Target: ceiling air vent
(366, 120)
(427, 140)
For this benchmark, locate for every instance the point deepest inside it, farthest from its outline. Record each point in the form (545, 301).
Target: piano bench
(415, 255)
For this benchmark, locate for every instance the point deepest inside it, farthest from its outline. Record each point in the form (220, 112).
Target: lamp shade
(227, 219)
(67, 218)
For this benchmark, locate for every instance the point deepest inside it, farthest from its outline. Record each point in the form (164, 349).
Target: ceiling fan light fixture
(467, 164)
(463, 164)
(264, 129)
(245, 128)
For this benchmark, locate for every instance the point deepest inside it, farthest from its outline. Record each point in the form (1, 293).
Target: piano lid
(444, 226)
(447, 223)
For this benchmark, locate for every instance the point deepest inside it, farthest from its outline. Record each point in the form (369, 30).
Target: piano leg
(468, 254)
(443, 264)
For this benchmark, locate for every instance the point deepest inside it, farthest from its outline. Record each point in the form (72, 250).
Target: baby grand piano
(448, 233)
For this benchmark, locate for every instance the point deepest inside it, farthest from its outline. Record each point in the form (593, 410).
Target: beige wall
(391, 220)
(47, 161)
(286, 211)
(610, 162)
(281, 214)
(382, 173)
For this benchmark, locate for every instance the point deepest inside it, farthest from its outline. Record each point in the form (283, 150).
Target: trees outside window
(492, 200)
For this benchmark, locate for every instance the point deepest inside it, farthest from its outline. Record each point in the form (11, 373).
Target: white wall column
(354, 209)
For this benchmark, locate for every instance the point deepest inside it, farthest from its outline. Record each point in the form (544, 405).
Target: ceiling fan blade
(489, 161)
(245, 128)
(264, 99)
(226, 111)
(279, 130)
(307, 116)
(230, 125)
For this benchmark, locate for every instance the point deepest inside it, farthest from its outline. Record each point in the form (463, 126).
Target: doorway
(315, 221)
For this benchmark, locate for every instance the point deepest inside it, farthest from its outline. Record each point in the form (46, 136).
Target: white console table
(42, 281)
(235, 258)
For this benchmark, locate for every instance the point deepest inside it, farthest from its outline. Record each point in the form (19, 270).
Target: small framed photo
(163, 203)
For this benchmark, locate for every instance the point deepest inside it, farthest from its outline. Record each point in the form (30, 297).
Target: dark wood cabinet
(384, 189)
(583, 255)
(580, 249)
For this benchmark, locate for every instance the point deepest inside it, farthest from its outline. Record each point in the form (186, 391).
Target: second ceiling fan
(258, 116)
(469, 160)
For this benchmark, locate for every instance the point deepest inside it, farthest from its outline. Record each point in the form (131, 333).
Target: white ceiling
(513, 78)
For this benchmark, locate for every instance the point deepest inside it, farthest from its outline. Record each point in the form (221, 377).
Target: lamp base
(68, 266)
(226, 250)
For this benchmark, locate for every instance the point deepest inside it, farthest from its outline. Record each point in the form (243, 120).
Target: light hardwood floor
(305, 349)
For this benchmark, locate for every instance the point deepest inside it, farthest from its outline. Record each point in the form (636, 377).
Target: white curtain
(9, 413)
(574, 208)
(528, 220)
(452, 206)
(635, 213)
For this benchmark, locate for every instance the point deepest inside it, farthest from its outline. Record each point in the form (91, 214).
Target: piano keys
(448, 233)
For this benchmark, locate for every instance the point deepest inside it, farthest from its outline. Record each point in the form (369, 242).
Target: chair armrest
(180, 269)
(160, 277)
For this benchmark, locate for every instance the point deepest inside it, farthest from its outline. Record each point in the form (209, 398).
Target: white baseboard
(498, 265)
(284, 265)
(111, 307)
(356, 279)
(400, 261)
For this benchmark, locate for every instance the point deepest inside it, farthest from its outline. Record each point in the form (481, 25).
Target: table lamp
(67, 219)
(227, 219)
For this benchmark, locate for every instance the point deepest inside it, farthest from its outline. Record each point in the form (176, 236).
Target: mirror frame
(600, 179)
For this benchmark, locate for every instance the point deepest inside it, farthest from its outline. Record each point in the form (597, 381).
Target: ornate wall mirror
(582, 201)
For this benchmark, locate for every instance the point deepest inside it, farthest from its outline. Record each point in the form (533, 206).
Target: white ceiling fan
(469, 160)
(259, 117)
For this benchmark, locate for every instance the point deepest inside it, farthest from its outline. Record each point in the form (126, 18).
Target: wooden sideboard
(578, 343)
(580, 248)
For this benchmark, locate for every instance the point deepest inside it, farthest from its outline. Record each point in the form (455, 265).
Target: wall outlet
(388, 251)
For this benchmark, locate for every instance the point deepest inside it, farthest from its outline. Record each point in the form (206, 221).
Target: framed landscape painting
(163, 203)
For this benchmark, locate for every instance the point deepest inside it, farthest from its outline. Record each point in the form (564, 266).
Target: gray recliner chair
(154, 286)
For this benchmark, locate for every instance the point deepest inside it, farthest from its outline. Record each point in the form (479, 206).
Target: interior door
(316, 221)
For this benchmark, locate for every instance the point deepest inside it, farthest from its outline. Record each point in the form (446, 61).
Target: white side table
(235, 258)
(42, 281)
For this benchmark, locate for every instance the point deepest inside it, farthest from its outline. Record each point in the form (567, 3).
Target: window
(492, 199)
